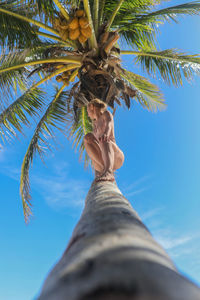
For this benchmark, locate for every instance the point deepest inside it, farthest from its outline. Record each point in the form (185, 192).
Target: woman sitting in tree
(100, 144)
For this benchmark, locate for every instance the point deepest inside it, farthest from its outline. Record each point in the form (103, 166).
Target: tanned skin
(101, 146)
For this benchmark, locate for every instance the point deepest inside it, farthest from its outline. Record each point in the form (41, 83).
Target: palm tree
(82, 41)
(42, 40)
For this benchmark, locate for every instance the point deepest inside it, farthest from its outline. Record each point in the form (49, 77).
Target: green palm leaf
(169, 13)
(171, 64)
(78, 128)
(45, 8)
(56, 116)
(74, 63)
(139, 27)
(14, 13)
(16, 78)
(13, 79)
(128, 7)
(148, 94)
(140, 36)
(137, 35)
(16, 115)
(15, 32)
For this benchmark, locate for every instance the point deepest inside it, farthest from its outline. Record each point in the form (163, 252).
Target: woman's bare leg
(108, 156)
(113, 159)
(119, 157)
(94, 152)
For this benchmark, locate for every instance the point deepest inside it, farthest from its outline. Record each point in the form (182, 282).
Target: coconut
(87, 32)
(83, 22)
(73, 24)
(59, 78)
(80, 13)
(82, 39)
(74, 34)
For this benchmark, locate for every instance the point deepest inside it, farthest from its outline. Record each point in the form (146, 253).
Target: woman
(100, 144)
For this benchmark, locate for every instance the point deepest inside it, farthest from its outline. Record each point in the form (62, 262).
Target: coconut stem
(95, 15)
(93, 40)
(101, 12)
(112, 40)
(114, 14)
(62, 9)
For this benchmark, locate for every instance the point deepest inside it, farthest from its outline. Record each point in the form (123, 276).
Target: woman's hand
(104, 138)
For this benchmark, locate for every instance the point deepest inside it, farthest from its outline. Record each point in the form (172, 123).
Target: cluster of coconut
(76, 28)
(64, 77)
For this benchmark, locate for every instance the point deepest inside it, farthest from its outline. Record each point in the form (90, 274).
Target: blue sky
(160, 177)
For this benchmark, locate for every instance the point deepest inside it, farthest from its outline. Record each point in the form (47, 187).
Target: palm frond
(112, 17)
(12, 13)
(139, 27)
(96, 15)
(169, 13)
(62, 9)
(54, 116)
(128, 9)
(16, 115)
(11, 81)
(15, 32)
(16, 78)
(53, 74)
(170, 64)
(79, 127)
(101, 12)
(45, 8)
(139, 36)
(87, 9)
(148, 94)
(65, 60)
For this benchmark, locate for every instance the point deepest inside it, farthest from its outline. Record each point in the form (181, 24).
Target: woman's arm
(108, 119)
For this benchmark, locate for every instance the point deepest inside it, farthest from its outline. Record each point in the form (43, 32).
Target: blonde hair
(99, 104)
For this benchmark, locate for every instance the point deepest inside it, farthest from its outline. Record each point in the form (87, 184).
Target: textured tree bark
(112, 255)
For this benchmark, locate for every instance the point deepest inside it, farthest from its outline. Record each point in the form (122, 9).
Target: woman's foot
(105, 176)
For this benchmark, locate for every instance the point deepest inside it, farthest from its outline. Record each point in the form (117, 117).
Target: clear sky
(160, 177)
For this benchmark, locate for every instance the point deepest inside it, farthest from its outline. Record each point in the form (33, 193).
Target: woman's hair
(99, 104)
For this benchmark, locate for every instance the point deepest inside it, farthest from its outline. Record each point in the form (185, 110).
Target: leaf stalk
(93, 40)
(71, 59)
(23, 18)
(62, 9)
(114, 14)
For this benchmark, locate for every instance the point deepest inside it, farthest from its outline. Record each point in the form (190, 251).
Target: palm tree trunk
(112, 255)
